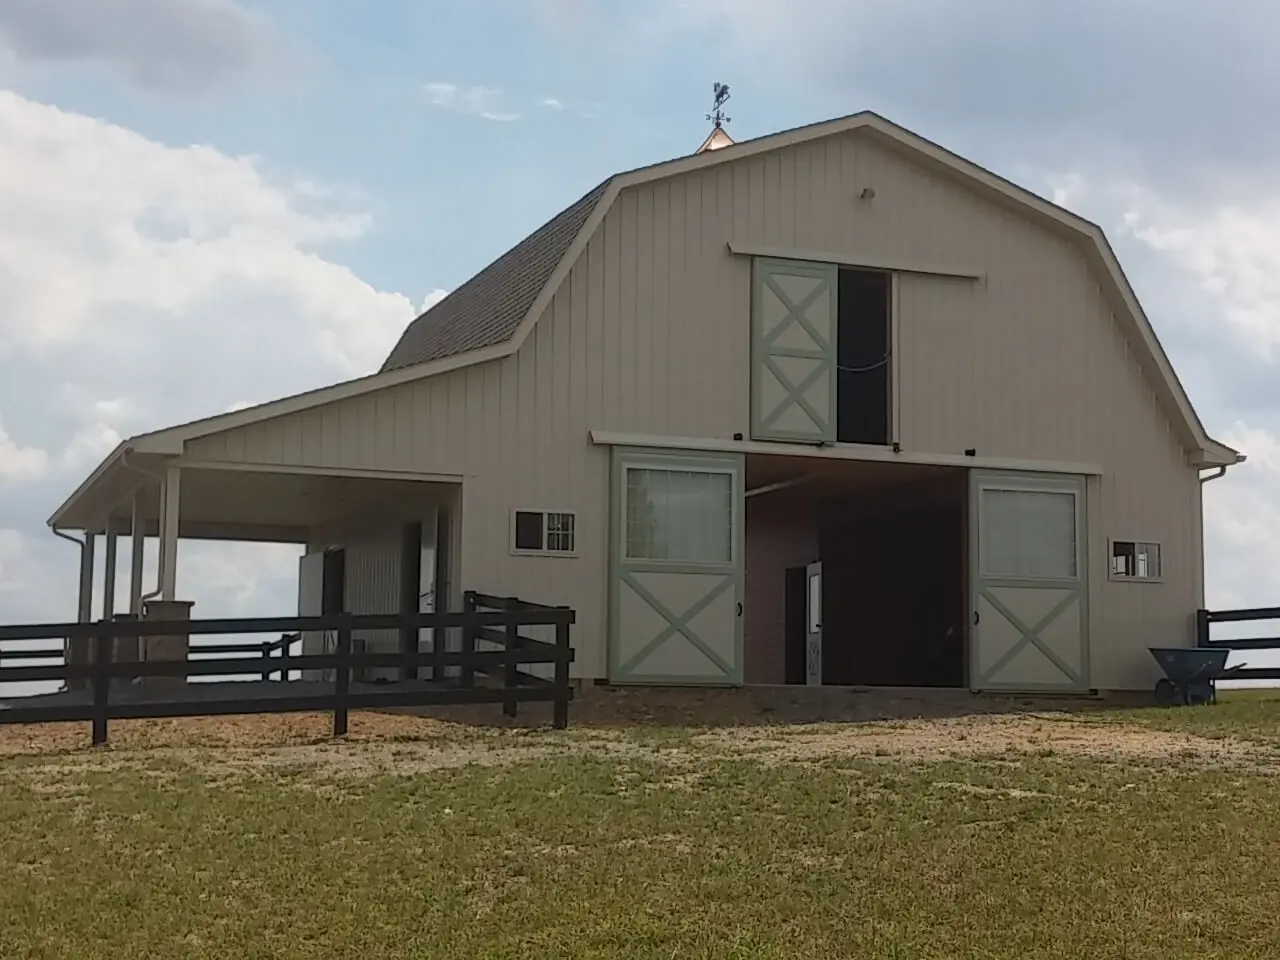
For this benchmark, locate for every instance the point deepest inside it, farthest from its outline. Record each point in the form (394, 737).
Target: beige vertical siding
(372, 585)
(650, 333)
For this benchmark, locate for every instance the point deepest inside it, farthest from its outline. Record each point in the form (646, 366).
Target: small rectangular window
(1135, 560)
(543, 531)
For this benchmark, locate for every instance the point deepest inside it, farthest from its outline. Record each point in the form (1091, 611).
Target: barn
(833, 406)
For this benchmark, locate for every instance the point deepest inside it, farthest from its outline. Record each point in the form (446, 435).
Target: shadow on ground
(597, 706)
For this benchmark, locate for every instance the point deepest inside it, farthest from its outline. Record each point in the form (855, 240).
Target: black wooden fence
(487, 666)
(1205, 620)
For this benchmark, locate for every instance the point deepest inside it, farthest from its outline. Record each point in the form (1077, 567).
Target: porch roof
(234, 501)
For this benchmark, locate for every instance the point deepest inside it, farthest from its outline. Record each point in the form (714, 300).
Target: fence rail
(1205, 619)
(486, 667)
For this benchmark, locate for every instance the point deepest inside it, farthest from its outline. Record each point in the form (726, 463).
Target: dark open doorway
(794, 638)
(862, 357)
(892, 543)
(894, 601)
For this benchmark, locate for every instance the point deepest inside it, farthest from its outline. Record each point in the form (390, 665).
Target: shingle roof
(487, 308)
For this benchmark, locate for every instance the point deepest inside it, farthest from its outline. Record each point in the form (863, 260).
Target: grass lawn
(1150, 834)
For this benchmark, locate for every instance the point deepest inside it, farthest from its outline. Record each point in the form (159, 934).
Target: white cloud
(10, 560)
(431, 299)
(97, 217)
(143, 285)
(551, 103)
(184, 46)
(484, 102)
(89, 445)
(1233, 250)
(18, 462)
(1242, 524)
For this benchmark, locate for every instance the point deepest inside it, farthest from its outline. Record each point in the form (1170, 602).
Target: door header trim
(846, 451)
(856, 260)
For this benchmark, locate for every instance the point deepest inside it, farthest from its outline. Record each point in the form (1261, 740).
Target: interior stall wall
(894, 609)
(373, 586)
(781, 532)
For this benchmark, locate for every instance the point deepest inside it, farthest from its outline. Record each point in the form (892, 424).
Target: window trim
(1136, 541)
(1031, 485)
(684, 466)
(545, 512)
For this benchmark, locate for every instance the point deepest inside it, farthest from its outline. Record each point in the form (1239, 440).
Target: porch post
(166, 608)
(171, 494)
(138, 546)
(109, 572)
(77, 651)
(84, 610)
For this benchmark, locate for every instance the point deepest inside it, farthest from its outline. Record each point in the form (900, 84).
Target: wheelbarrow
(1191, 673)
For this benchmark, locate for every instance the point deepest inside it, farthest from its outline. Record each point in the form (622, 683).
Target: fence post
(266, 661)
(342, 683)
(560, 717)
(1202, 628)
(511, 675)
(104, 643)
(467, 675)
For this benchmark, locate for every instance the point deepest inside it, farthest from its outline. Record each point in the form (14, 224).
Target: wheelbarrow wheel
(1166, 692)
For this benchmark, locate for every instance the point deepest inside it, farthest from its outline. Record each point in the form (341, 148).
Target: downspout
(80, 616)
(124, 462)
(1202, 627)
(69, 537)
(1222, 468)
(73, 652)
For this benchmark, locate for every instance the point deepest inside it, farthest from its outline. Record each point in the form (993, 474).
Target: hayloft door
(793, 351)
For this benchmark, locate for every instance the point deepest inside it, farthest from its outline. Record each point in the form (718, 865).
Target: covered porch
(169, 499)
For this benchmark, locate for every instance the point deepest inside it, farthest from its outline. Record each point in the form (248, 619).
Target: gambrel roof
(489, 316)
(487, 308)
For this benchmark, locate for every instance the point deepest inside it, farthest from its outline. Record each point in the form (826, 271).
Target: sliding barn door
(793, 348)
(1030, 603)
(675, 598)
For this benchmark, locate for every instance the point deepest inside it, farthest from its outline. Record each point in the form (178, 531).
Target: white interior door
(813, 625)
(427, 575)
(1030, 580)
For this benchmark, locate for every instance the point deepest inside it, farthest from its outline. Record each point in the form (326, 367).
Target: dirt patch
(983, 736)
(232, 748)
(250, 731)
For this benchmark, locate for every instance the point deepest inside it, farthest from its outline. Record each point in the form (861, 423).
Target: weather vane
(717, 116)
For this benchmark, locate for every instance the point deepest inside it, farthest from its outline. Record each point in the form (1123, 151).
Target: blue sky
(212, 202)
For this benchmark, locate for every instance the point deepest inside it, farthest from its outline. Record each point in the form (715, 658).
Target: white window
(1135, 560)
(543, 532)
(680, 516)
(1029, 534)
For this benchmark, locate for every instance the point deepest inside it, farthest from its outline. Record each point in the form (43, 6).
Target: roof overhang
(233, 501)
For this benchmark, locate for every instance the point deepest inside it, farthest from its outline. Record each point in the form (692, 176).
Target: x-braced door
(675, 600)
(1030, 602)
(793, 351)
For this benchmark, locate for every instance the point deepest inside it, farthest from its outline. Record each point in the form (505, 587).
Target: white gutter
(82, 615)
(1221, 471)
